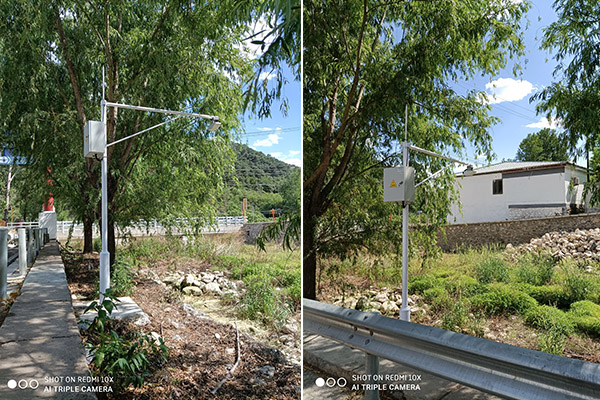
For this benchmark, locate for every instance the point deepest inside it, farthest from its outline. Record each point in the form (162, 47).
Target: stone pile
(205, 283)
(385, 301)
(580, 244)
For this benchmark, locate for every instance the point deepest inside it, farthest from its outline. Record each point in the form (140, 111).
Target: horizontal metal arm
(160, 110)
(497, 368)
(143, 131)
(433, 154)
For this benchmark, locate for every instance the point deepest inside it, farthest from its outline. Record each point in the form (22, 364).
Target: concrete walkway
(41, 354)
(338, 361)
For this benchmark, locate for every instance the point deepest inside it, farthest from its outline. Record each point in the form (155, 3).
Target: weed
(456, 317)
(553, 295)
(535, 269)
(492, 269)
(125, 359)
(549, 319)
(122, 278)
(502, 298)
(438, 298)
(586, 317)
(552, 342)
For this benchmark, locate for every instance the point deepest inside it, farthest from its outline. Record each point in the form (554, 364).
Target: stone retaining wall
(514, 232)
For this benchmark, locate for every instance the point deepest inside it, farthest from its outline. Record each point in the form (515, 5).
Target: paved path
(338, 361)
(39, 339)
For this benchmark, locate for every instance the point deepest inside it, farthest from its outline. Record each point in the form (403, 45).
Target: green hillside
(265, 181)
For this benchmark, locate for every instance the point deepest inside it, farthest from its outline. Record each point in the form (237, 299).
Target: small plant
(553, 295)
(535, 268)
(125, 359)
(492, 270)
(502, 298)
(456, 317)
(586, 317)
(549, 319)
(438, 298)
(122, 278)
(552, 342)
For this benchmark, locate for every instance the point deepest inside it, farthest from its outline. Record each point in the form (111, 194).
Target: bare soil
(201, 350)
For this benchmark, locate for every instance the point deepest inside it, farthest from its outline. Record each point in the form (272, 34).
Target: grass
(271, 278)
(556, 299)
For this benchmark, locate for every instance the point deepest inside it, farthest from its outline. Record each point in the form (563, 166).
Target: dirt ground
(201, 350)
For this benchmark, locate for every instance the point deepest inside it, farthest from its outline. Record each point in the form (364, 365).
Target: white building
(518, 190)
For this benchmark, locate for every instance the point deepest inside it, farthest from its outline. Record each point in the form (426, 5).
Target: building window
(497, 186)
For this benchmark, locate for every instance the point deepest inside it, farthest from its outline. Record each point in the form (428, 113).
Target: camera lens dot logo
(320, 382)
(12, 384)
(22, 384)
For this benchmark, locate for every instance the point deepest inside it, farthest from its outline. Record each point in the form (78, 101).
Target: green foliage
(122, 278)
(586, 317)
(544, 145)
(552, 341)
(553, 295)
(126, 359)
(502, 298)
(456, 317)
(550, 319)
(363, 63)
(535, 269)
(439, 299)
(492, 270)
(421, 283)
(578, 286)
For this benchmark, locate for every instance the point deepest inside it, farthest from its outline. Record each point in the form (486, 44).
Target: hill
(265, 181)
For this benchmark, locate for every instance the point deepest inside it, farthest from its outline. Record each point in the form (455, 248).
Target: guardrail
(497, 368)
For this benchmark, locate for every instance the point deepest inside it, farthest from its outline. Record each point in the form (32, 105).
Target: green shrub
(262, 301)
(552, 342)
(421, 283)
(438, 298)
(456, 317)
(124, 358)
(550, 319)
(492, 269)
(535, 268)
(122, 278)
(586, 317)
(553, 295)
(97, 244)
(502, 298)
(577, 286)
(463, 285)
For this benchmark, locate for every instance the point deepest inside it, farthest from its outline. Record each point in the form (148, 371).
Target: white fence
(63, 227)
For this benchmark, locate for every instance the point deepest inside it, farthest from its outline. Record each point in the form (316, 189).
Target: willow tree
(364, 62)
(171, 55)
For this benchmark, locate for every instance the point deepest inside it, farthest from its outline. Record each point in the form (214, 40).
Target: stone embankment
(579, 244)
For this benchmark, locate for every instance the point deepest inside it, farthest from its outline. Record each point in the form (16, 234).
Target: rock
(213, 287)
(207, 277)
(155, 338)
(230, 351)
(139, 319)
(267, 371)
(381, 297)
(218, 336)
(192, 291)
(188, 281)
(191, 311)
(388, 308)
(290, 328)
(589, 269)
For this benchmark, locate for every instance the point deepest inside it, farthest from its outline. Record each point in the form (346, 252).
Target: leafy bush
(456, 317)
(577, 286)
(125, 359)
(552, 342)
(492, 269)
(550, 319)
(535, 268)
(553, 295)
(438, 298)
(421, 283)
(463, 285)
(261, 301)
(502, 298)
(586, 317)
(122, 278)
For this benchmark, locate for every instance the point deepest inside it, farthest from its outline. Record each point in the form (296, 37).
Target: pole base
(405, 313)
(104, 273)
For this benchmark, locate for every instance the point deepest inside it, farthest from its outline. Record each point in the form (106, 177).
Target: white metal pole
(104, 254)
(405, 309)
(22, 252)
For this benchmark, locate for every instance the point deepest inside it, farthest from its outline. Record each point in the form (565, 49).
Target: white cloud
(507, 89)
(266, 76)
(545, 123)
(294, 152)
(276, 154)
(294, 161)
(272, 139)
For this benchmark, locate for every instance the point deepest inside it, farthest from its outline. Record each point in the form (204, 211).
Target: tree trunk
(88, 245)
(309, 267)
(111, 245)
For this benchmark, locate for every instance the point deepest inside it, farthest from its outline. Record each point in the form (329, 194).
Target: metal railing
(496, 368)
(23, 224)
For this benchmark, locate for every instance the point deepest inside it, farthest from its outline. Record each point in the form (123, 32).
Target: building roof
(514, 166)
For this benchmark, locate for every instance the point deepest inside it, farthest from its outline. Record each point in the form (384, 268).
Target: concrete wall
(514, 232)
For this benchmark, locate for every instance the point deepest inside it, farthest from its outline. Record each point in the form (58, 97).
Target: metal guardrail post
(46, 236)
(36, 244)
(3, 262)
(41, 237)
(22, 251)
(372, 370)
(30, 245)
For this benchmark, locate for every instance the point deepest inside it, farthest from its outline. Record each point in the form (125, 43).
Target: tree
(574, 97)
(544, 145)
(166, 55)
(364, 61)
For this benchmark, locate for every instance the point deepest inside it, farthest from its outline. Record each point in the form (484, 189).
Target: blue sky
(279, 135)
(511, 103)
